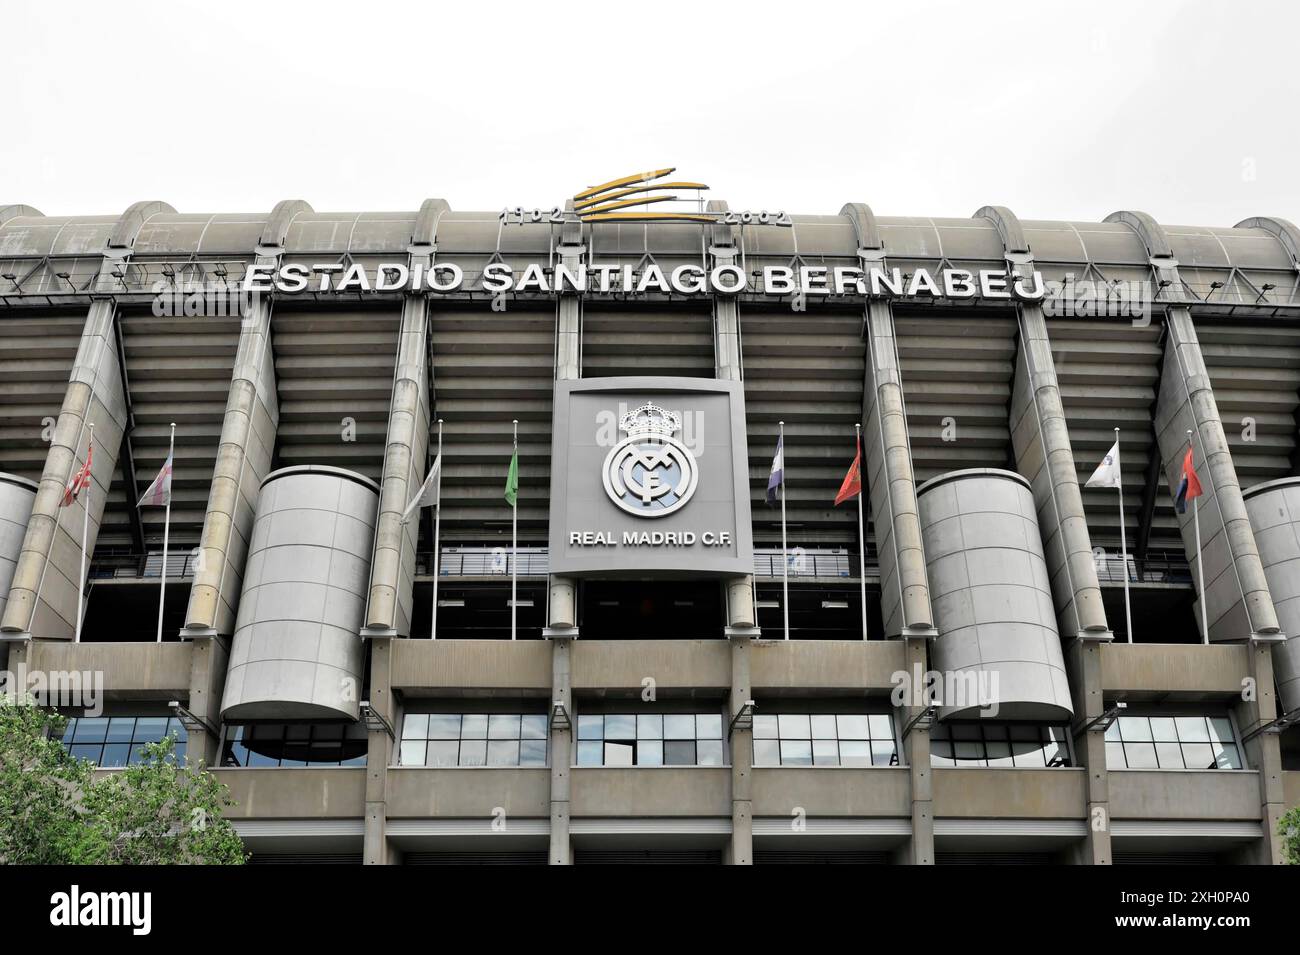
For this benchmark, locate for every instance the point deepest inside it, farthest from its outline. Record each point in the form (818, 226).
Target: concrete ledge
(623, 664)
(832, 791)
(651, 791)
(1291, 788)
(135, 670)
(427, 667)
(825, 666)
(1010, 792)
(275, 792)
(1174, 670)
(417, 792)
(1208, 794)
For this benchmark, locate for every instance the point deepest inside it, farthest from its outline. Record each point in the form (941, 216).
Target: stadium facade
(646, 659)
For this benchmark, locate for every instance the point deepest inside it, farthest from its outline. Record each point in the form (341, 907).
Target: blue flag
(777, 478)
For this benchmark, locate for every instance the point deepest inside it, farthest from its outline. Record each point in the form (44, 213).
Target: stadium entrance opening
(651, 609)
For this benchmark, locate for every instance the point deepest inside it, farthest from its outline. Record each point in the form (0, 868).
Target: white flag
(159, 493)
(427, 496)
(1107, 473)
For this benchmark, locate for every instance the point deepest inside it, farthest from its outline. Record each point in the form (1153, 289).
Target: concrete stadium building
(651, 707)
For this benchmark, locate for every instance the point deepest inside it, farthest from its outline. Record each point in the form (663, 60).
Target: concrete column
(561, 752)
(1084, 662)
(379, 753)
(1041, 442)
(245, 453)
(887, 457)
(728, 365)
(43, 593)
(1263, 753)
(741, 849)
(208, 658)
(563, 604)
(1239, 603)
(392, 573)
(915, 753)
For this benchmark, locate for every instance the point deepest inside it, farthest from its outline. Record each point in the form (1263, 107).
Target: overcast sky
(1186, 110)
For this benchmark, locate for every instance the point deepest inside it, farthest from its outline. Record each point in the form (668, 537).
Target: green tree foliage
(1288, 827)
(53, 809)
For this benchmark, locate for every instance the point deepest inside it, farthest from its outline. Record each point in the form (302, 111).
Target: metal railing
(486, 562)
(1158, 567)
(534, 561)
(809, 563)
(142, 566)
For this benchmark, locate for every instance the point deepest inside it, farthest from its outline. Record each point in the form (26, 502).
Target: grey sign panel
(650, 477)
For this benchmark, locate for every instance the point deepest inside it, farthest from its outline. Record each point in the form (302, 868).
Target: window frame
(461, 711)
(780, 712)
(661, 714)
(1045, 739)
(1174, 713)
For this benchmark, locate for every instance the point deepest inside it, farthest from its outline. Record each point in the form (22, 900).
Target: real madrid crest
(650, 473)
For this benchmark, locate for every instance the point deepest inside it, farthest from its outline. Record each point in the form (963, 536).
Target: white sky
(1186, 110)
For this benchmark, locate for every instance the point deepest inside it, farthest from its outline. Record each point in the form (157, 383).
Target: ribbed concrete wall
(334, 372)
(957, 374)
(297, 651)
(991, 594)
(178, 369)
(36, 355)
(1274, 510)
(481, 382)
(805, 369)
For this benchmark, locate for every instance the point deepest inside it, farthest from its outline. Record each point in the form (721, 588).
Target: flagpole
(785, 554)
(1200, 564)
(514, 541)
(437, 544)
(862, 537)
(167, 526)
(1123, 540)
(85, 527)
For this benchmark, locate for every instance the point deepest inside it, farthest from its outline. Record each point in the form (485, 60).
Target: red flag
(80, 481)
(853, 480)
(1190, 485)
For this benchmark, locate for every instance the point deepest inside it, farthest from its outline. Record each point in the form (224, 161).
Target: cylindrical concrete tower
(1274, 510)
(16, 497)
(297, 651)
(992, 597)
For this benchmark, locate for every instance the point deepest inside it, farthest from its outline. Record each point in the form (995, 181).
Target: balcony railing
(809, 563)
(136, 566)
(533, 561)
(486, 562)
(1159, 567)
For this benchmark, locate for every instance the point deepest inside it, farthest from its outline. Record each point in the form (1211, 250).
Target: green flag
(512, 480)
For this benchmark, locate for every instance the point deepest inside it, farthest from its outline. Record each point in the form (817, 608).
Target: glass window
(824, 739)
(113, 742)
(1172, 742)
(299, 744)
(481, 739)
(985, 743)
(651, 739)
(767, 752)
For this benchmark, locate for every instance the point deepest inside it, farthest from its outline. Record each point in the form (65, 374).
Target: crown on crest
(649, 420)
